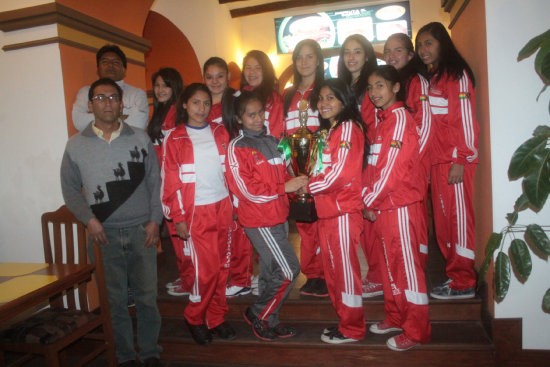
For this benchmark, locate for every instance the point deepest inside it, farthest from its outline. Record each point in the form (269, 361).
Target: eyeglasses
(102, 98)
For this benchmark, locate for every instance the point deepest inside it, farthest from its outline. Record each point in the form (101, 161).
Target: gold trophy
(303, 149)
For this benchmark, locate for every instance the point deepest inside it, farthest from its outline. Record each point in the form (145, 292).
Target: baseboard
(507, 338)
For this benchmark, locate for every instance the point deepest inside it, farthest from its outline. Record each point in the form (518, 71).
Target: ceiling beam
(228, 1)
(277, 5)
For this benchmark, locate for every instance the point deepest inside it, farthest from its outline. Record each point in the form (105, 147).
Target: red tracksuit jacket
(256, 175)
(337, 188)
(178, 171)
(169, 123)
(292, 122)
(419, 107)
(393, 178)
(455, 128)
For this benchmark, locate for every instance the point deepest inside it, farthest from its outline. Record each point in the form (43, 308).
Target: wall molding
(455, 8)
(65, 17)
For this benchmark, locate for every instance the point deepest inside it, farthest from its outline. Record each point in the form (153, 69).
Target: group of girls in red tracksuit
(414, 119)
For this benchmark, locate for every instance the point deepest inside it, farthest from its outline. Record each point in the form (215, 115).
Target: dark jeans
(128, 262)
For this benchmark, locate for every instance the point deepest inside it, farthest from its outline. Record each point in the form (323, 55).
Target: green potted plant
(531, 162)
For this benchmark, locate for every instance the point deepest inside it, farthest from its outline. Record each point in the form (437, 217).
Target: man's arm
(81, 116)
(71, 187)
(137, 107)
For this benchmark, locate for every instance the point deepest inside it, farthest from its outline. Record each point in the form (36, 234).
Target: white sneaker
(176, 283)
(235, 291)
(336, 337)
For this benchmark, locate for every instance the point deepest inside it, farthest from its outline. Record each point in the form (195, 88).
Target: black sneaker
(200, 333)
(307, 288)
(262, 330)
(336, 337)
(330, 329)
(283, 331)
(152, 362)
(249, 317)
(320, 288)
(224, 331)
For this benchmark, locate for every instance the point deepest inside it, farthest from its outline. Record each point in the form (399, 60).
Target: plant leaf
(542, 130)
(492, 244)
(546, 301)
(521, 259)
(525, 156)
(532, 45)
(537, 239)
(542, 62)
(536, 185)
(512, 217)
(502, 276)
(522, 203)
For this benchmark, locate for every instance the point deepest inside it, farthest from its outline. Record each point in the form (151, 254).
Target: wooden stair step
(454, 343)
(298, 307)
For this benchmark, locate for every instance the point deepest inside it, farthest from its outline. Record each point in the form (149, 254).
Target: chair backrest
(69, 248)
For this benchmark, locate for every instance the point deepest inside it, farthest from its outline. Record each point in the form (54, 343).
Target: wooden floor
(458, 335)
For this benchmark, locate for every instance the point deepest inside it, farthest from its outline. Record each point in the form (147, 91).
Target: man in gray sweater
(118, 169)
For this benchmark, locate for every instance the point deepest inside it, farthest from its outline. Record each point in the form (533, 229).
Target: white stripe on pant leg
(195, 295)
(343, 234)
(416, 297)
(406, 250)
(276, 252)
(461, 218)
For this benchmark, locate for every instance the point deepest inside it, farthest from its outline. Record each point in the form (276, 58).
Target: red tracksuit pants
(183, 257)
(398, 232)
(241, 266)
(339, 238)
(371, 251)
(311, 263)
(454, 223)
(208, 242)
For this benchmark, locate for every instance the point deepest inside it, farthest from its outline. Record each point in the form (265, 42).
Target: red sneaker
(372, 290)
(401, 343)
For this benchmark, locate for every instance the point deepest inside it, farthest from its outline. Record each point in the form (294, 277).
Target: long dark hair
(189, 92)
(172, 79)
(342, 91)
(227, 96)
(239, 107)
(269, 81)
(450, 61)
(319, 75)
(360, 87)
(414, 66)
(389, 73)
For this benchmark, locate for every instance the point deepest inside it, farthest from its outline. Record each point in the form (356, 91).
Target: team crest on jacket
(345, 144)
(463, 95)
(423, 97)
(396, 144)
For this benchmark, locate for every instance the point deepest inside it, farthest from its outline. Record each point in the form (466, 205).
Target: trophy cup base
(302, 209)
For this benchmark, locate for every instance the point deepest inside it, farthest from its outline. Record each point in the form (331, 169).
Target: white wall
(514, 113)
(206, 24)
(34, 132)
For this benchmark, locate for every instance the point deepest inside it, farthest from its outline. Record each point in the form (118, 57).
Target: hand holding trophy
(302, 149)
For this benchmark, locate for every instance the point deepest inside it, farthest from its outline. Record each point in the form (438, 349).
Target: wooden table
(67, 276)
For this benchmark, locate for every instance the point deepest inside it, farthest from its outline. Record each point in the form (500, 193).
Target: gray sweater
(121, 179)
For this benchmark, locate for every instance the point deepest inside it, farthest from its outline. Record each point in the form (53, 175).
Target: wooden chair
(91, 325)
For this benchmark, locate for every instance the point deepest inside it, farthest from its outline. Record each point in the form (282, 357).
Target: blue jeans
(128, 262)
